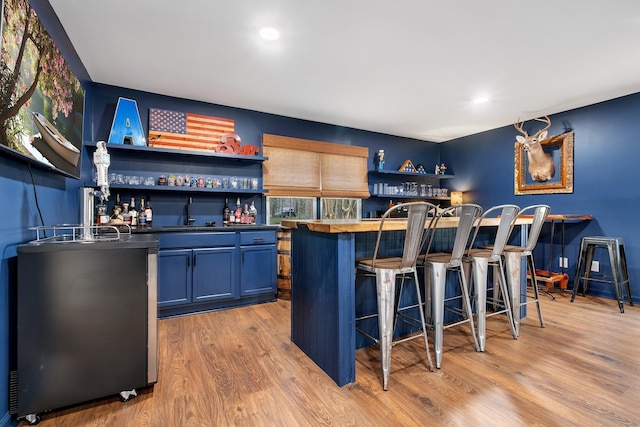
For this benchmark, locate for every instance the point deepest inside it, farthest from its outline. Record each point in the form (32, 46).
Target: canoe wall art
(42, 100)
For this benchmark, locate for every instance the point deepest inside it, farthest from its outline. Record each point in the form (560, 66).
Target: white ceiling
(407, 67)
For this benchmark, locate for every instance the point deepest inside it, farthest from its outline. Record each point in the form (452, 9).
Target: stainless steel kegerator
(86, 322)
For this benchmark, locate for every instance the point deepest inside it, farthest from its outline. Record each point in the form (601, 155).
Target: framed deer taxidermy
(543, 165)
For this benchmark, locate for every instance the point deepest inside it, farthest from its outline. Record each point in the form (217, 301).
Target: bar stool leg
(385, 290)
(587, 268)
(438, 276)
(480, 271)
(536, 294)
(499, 271)
(422, 318)
(625, 273)
(579, 273)
(614, 260)
(467, 306)
(513, 262)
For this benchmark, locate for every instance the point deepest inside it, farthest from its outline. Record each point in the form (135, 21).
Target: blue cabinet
(174, 277)
(258, 255)
(210, 271)
(214, 274)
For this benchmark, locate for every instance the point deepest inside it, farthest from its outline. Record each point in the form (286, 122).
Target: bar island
(323, 296)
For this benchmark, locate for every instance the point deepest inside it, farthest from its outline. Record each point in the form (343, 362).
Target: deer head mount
(541, 165)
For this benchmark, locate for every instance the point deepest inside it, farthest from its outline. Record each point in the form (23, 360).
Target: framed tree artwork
(42, 101)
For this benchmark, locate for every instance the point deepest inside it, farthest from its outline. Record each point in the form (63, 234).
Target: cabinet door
(174, 277)
(258, 272)
(214, 275)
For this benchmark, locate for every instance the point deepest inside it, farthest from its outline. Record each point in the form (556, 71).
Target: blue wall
(606, 171)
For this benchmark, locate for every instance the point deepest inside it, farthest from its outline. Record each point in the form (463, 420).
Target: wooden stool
(617, 259)
(550, 279)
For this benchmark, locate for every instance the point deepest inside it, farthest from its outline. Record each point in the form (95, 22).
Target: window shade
(303, 167)
(290, 172)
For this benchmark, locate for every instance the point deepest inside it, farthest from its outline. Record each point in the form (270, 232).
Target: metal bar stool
(540, 213)
(615, 247)
(387, 270)
(480, 259)
(436, 266)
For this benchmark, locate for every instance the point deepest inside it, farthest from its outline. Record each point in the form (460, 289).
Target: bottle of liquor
(117, 206)
(142, 216)
(238, 212)
(253, 213)
(126, 216)
(245, 219)
(102, 217)
(133, 212)
(226, 212)
(148, 212)
(116, 218)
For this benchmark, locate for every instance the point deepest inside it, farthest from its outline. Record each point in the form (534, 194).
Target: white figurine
(437, 172)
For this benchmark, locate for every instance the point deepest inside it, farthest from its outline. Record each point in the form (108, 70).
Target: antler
(546, 120)
(518, 125)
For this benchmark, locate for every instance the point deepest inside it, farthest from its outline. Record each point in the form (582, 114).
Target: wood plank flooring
(238, 368)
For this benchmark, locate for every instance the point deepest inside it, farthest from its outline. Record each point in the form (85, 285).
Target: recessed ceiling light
(481, 100)
(269, 33)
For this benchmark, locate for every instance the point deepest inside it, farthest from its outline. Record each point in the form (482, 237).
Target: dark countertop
(146, 241)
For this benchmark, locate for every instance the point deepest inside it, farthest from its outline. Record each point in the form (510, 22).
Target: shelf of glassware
(151, 183)
(400, 191)
(186, 189)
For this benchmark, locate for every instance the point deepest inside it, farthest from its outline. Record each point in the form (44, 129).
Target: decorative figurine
(443, 168)
(437, 171)
(380, 165)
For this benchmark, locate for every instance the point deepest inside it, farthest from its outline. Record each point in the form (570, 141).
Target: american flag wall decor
(187, 131)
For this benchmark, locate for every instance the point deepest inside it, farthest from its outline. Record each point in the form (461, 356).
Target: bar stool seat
(617, 260)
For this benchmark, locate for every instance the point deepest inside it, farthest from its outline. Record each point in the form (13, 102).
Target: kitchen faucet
(188, 220)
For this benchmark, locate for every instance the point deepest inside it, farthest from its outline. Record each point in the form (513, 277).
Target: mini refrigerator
(86, 323)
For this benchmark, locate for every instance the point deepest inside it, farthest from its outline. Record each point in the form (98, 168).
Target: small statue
(380, 160)
(443, 168)
(437, 172)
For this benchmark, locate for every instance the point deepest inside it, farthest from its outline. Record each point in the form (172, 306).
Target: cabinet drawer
(196, 240)
(257, 237)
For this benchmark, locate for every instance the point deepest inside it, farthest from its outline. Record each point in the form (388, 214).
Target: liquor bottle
(133, 212)
(253, 213)
(226, 212)
(142, 216)
(117, 206)
(101, 214)
(126, 216)
(148, 212)
(238, 211)
(245, 219)
(117, 218)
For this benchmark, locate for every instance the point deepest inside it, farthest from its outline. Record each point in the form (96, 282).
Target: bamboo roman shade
(303, 167)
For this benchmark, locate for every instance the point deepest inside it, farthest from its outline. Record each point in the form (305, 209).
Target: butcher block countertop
(368, 225)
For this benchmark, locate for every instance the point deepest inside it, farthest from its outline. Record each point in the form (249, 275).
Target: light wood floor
(238, 368)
